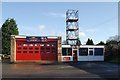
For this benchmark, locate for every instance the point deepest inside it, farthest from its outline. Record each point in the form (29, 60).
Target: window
(47, 52)
(53, 48)
(30, 51)
(48, 45)
(64, 51)
(25, 45)
(42, 48)
(36, 44)
(47, 48)
(19, 44)
(83, 52)
(19, 48)
(67, 51)
(53, 52)
(42, 52)
(31, 44)
(25, 48)
(24, 51)
(90, 52)
(36, 48)
(31, 48)
(19, 52)
(36, 52)
(41, 44)
(98, 52)
(53, 45)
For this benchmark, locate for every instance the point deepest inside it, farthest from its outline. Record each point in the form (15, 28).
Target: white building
(82, 53)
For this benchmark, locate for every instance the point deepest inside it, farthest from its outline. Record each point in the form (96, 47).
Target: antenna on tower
(72, 29)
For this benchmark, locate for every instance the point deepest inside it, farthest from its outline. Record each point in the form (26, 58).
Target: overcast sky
(97, 20)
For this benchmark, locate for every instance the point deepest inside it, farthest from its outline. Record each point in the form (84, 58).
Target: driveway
(101, 70)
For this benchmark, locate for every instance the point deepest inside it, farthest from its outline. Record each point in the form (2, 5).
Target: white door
(90, 54)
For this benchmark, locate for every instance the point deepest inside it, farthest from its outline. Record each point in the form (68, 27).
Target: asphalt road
(63, 70)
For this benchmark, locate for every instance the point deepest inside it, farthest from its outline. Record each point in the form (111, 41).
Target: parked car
(0, 57)
(5, 56)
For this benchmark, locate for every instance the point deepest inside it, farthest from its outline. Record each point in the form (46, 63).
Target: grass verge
(114, 59)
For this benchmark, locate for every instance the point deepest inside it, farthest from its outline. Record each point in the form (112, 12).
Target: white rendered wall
(90, 58)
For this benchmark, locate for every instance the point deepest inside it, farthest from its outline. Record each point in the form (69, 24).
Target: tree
(9, 28)
(89, 42)
(101, 43)
(112, 48)
(114, 38)
(78, 42)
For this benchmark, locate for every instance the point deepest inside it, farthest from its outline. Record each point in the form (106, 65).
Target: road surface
(62, 70)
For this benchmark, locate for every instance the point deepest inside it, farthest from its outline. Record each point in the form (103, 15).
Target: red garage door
(27, 51)
(49, 51)
(36, 50)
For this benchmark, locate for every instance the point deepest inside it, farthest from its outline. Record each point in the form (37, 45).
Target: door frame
(73, 54)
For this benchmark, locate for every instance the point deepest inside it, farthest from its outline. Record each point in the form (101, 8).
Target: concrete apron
(37, 61)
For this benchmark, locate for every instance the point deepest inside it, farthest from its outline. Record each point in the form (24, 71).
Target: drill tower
(72, 29)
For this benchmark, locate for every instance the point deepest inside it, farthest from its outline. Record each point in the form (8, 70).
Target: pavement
(99, 70)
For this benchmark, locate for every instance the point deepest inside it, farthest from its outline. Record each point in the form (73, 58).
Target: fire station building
(50, 48)
(35, 48)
